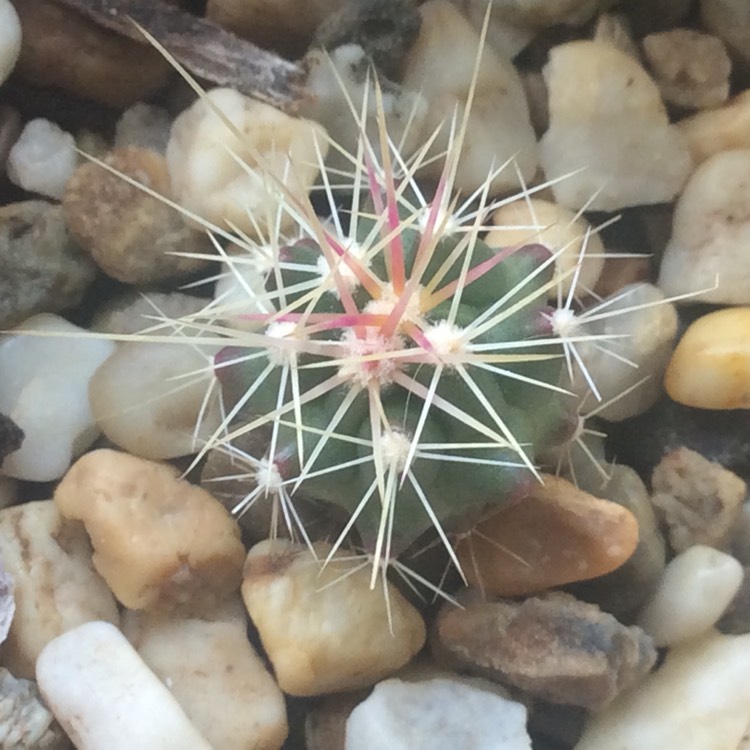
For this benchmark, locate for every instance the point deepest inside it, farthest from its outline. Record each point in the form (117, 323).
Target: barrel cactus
(396, 367)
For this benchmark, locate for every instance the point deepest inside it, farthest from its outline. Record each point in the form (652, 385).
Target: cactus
(408, 372)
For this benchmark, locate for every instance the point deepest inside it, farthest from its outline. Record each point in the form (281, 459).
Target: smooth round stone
(438, 714)
(325, 629)
(710, 368)
(10, 38)
(104, 696)
(215, 674)
(159, 541)
(149, 397)
(556, 535)
(708, 254)
(698, 699)
(696, 588)
(49, 403)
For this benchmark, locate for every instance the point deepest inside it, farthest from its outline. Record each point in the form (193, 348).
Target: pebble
(614, 29)
(323, 630)
(507, 39)
(438, 714)
(697, 699)
(42, 159)
(159, 542)
(285, 25)
(696, 588)
(56, 586)
(43, 269)
(625, 589)
(715, 130)
(10, 38)
(556, 535)
(340, 79)
(699, 501)
(558, 229)
(643, 325)
(207, 179)
(7, 601)
(25, 722)
(729, 20)
(104, 696)
(615, 126)
(621, 272)
(66, 51)
(440, 66)
(50, 404)
(691, 69)
(143, 126)
(215, 674)
(707, 254)
(710, 368)
(151, 398)
(132, 236)
(552, 647)
(134, 311)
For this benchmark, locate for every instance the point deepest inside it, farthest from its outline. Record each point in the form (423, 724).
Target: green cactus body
(412, 393)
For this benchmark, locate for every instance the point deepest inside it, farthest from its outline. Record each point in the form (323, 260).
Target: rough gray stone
(42, 268)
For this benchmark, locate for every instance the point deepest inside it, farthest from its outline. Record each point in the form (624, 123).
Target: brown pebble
(130, 234)
(553, 647)
(556, 535)
(64, 50)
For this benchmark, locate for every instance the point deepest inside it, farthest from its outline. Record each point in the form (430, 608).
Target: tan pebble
(325, 630)
(241, 173)
(710, 368)
(131, 235)
(56, 586)
(562, 231)
(556, 535)
(158, 540)
(215, 674)
(698, 501)
(714, 130)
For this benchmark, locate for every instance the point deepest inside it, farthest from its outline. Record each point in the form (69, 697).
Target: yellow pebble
(710, 368)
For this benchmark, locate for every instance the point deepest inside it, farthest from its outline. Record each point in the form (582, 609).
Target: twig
(204, 48)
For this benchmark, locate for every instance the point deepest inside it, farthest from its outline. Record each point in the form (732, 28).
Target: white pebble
(48, 402)
(440, 714)
(707, 255)
(106, 698)
(693, 593)
(147, 398)
(43, 159)
(10, 38)
(609, 131)
(143, 126)
(698, 700)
